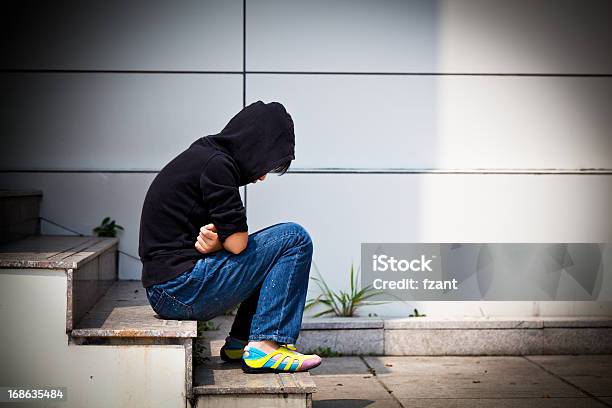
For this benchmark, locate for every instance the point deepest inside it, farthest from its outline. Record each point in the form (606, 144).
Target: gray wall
(456, 121)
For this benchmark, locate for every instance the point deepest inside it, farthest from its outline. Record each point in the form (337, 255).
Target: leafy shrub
(341, 303)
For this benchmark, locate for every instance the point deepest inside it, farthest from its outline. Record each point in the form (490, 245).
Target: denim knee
(302, 236)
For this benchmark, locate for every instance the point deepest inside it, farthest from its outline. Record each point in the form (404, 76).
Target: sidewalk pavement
(572, 381)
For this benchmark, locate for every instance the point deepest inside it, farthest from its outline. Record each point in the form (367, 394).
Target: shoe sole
(226, 358)
(251, 370)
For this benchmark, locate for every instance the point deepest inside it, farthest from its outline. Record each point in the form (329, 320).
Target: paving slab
(349, 387)
(468, 377)
(341, 366)
(591, 373)
(502, 403)
(355, 403)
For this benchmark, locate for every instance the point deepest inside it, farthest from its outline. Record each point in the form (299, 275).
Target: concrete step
(90, 265)
(53, 288)
(19, 214)
(123, 314)
(123, 317)
(219, 384)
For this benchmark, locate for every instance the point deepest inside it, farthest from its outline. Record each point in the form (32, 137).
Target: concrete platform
(426, 336)
(430, 382)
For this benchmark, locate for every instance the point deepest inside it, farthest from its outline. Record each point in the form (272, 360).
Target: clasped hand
(208, 240)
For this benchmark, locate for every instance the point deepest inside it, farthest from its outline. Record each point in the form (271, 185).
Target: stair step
(220, 384)
(53, 251)
(90, 264)
(40, 294)
(124, 313)
(123, 317)
(19, 214)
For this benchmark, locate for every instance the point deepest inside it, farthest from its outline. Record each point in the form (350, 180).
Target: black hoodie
(200, 186)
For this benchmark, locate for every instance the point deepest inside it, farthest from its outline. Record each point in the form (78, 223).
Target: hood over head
(259, 138)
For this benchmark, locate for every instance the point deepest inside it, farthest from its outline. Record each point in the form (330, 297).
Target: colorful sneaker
(232, 349)
(281, 360)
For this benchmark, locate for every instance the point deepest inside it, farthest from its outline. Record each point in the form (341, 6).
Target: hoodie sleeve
(219, 184)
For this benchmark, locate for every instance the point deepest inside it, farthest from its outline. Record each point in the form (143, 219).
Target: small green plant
(207, 325)
(416, 314)
(325, 352)
(340, 303)
(108, 228)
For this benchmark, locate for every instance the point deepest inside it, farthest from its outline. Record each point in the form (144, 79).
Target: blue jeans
(269, 279)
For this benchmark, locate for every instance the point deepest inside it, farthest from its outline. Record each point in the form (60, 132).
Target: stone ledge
(577, 322)
(478, 323)
(124, 312)
(53, 251)
(345, 342)
(496, 342)
(454, 323)
(424, 336)
(344, 323)
(427, 342)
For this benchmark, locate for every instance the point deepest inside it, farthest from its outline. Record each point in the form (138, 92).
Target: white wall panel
(120, 35)
(445, 36)
(512, 122)
(342, 211)
(124, 121)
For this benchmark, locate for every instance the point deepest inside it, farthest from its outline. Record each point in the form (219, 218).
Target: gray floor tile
(467, 377)
(503, 403)
(348, 387)
(592, 373)
(355, 403)
(340, 366)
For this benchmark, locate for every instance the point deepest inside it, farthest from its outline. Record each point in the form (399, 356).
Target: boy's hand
(208, 240)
